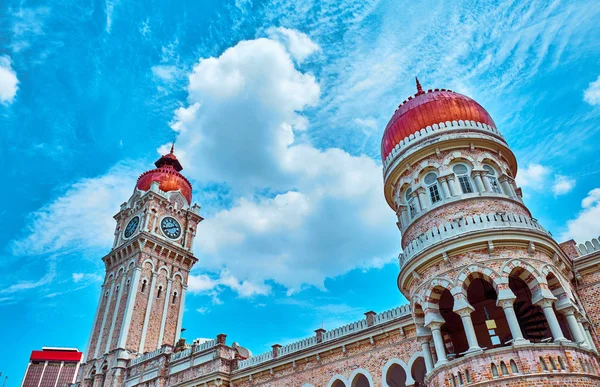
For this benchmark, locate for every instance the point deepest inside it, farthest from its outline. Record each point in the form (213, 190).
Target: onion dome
(167, 174)
(429, 108)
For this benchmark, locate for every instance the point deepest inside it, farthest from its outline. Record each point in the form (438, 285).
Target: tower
(142, 298)
(480, 272)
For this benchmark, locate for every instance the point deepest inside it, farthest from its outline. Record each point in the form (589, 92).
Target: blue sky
(277, 109)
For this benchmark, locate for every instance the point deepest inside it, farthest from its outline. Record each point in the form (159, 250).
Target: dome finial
(172, 147)
(419, 88)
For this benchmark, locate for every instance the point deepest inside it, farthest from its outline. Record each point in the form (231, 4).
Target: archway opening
(338, 383)
(489, 321)
(531, 317)
(453, 331)
(418, 372)
(395, 376)
(360, 380)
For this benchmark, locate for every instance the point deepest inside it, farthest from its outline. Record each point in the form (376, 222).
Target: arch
(475, 271)
(130, 264)
(425, 167)
(457, 157)
(494, 370)
(556, 284)
(488, 158)
(435, 288)
(361, 378)
(308, 385)
(513, 367)
(148, 260)
(165, 269)
(418, 370)
(525, 272)
(121, 269)
(110, 277)
(391, 367)
(338, 381)
(178, 274)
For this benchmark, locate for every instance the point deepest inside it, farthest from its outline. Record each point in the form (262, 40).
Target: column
(106, 307)
(546, 305)
(415, 201)
(42, 375)
(444, 182)
(506, 186)
(589, 336)
(588, 342)
(452, 185)
(422, 198)
(133, 290)
(147, 316)
(115, 313)
(577, 334)
(89, 349)
(426, 349)
(161, 334)
(404, 216)
(438, 341)
(478, 182)
(465, 315)
(511, 318)
(180, 317)
(62, 363)
(486, 182)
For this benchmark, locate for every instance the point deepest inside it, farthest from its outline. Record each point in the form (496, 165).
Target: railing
(588, 247)
(148, 355)
(433, 129)
(356, 326)
(193, 349)
(468, 224)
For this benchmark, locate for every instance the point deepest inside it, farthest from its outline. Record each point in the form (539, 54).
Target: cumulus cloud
(324, 214)
(81, 217)
(562, 185)
(585, 226)
(592, 94)
(299, 45)
(8, 81)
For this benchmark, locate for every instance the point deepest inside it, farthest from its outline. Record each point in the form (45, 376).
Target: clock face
(131, 226)
(170, 227)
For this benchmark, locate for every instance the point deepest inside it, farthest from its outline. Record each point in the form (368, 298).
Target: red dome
(427, 109)
(167, 174)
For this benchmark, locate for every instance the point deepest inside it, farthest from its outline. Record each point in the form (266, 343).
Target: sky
(277, 109)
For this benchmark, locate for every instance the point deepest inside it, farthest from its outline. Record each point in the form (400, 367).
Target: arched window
(159, 292)
(460, 379)
(412, 209)
(503, 367)
(513, 367)
(491, 176)
(552, 363)
(433, 187)
(468, 375)
(543, 363)
(561, 363)
(144, 282)
(583, 367)
(174, 298)
(453, 381)
(462, 174)
(494, 370)
(117, 291)
(127, 284)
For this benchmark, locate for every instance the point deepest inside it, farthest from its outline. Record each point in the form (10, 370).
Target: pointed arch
(525, 272)
(338, 378)
(475, 271)
(434, 290)
(395, 362)
(355, 377)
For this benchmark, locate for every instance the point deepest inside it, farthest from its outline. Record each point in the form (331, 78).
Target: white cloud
(86, 277)
(204, 284)
(299, 45)
(326, 214)
(8, 81)
(533, 176)
(203, 310)
(562, 185)
(586, 225)
(82, 217)
(166, 73)
(592, 94)
(28, 285)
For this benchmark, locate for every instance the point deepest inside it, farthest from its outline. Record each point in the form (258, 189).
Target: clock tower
(142, 298)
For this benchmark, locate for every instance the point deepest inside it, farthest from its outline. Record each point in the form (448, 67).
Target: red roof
(57, 355)
(429, 108)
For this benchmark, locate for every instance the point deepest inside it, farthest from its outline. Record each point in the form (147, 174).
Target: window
(453, 381)
(460, 379)
(504, 369)
(561, 363)
(494, 370)
(491, 176)
(412, 209)
(433, 188)
(468, 375)
(159, 292)
(552, 363)
(543, 364)
(144, 282)
(513, 367)
(174, 298)
(462, 173)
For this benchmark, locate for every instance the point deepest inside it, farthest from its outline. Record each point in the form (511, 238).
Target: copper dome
(429, 108)
(167, 174)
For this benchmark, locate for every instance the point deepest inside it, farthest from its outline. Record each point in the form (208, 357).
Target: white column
(465, 315)
(438, 341)
(546, 305)
(486, 183)
(588, 342)
(453, 185)
(426, 353)
(577, 334)
(106, 308)
(513, 322)
(445, 188)
(133, 290)
(147, 316)
(423, 198)
(590, 338)
(89, 349)
(115, 313)
(161, 334)
(62, 363)
(26, 370)
(42, 375)
(416, 201)
(478, 182)
(180, 317)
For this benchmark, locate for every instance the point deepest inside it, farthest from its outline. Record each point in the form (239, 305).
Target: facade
(52, 367)
(493, 298)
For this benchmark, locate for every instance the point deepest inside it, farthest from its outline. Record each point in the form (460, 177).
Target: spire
(172, 147)
(419, 88)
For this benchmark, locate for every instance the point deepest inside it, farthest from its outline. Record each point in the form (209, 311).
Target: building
(52, 367)
(494, 299)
